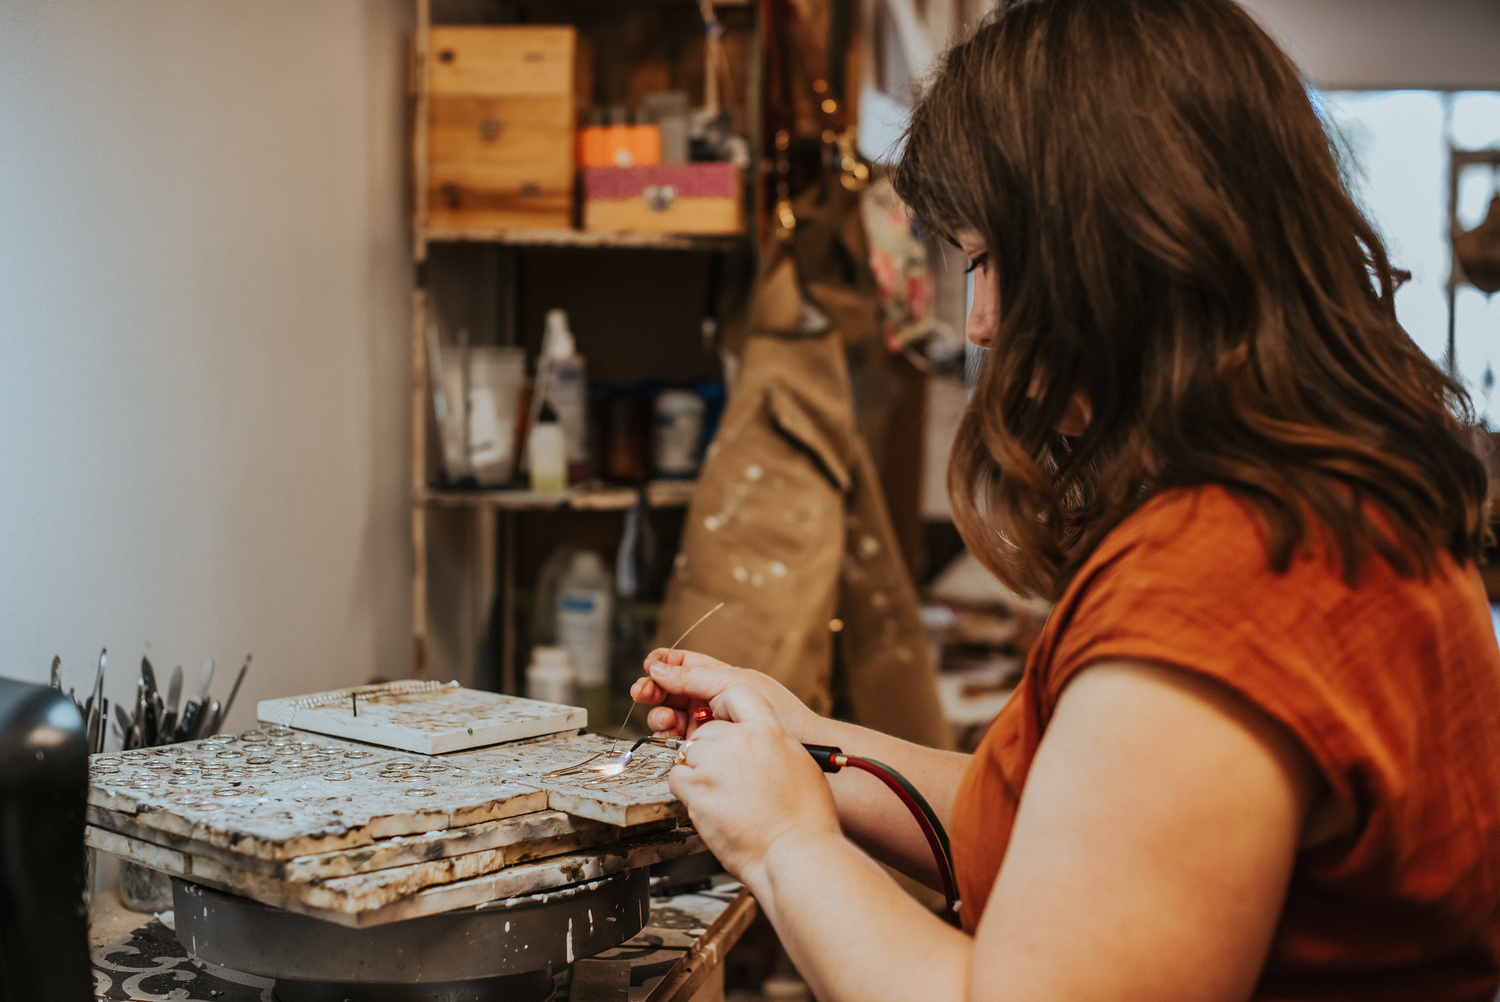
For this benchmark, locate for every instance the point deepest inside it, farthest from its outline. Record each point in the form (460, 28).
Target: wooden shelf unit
(582, 239)
(587, 497)
(489, 507)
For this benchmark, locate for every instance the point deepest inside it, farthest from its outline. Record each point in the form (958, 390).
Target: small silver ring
(682, 751)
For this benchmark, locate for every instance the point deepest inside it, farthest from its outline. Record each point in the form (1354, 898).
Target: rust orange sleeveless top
(1393, 688)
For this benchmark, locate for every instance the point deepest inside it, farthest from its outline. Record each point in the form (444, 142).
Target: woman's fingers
(743, 704)
(666, 722)
(691, 659)
(748, 783)
(643, 690)
(697, 681)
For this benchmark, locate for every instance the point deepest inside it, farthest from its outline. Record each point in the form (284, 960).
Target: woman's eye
(978, 262)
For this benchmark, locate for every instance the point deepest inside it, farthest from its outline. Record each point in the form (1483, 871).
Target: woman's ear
(1076, 418)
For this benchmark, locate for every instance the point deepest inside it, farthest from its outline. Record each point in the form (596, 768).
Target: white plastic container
(496, 375)
(489, 394)
(550, 676)
(677, 430)
(585, 600)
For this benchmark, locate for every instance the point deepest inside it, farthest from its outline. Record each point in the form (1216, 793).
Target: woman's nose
(983, 319)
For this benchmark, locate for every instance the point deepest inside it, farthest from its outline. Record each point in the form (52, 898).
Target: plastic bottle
(567, 391)
(550, 676)
(549, 468)
(585, 603)
(677, 432)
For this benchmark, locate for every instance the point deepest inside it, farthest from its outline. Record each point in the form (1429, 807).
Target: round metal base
(503, 950)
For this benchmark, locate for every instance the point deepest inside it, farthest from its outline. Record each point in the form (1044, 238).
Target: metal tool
(139, 736)
(614, 765)
(122, 724)
(189, 721)
(205, 679)
(94, 708)
(212, 718)
(57, 673)
(152, 719)
(168, 723)
(99, 675)
(235, 691)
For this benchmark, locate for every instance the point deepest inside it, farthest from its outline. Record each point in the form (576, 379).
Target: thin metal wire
(674, 646)
(618, 765)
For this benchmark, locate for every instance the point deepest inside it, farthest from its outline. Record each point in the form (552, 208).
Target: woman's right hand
(678, 681)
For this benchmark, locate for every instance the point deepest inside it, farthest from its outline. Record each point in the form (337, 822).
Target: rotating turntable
(347, 870)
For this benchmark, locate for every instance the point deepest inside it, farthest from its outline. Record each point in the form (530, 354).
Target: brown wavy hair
(1170, 234)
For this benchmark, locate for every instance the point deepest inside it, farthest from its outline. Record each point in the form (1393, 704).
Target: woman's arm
(1149, 859)
(865, 805)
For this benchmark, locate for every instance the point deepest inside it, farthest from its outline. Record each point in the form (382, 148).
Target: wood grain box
(500, 127)
(701, 198)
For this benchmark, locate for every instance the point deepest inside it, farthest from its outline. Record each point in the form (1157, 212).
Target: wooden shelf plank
(601, 497)
(582, 239)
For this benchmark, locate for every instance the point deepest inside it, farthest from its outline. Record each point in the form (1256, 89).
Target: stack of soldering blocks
(356, 831)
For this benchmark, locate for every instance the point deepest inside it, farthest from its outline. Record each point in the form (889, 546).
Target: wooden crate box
(500, 127)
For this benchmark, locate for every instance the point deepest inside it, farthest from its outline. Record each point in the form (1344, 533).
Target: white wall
(1389, 44)
(204, 304)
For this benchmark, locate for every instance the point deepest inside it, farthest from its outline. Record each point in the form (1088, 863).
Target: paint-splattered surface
(279, 794)
(427, 718)
(438, 885)
(276, 793)
(637, 795)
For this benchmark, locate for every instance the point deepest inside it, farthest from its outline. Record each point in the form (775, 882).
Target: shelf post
(419, 483)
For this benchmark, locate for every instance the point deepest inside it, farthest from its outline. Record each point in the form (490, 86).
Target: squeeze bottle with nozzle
(567, 392)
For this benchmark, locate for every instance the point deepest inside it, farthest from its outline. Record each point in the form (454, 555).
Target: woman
(1256, 752)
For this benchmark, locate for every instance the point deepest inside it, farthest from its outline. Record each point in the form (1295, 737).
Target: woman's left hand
(749, 785)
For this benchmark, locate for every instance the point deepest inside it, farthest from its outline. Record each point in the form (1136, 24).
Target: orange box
(619, 146)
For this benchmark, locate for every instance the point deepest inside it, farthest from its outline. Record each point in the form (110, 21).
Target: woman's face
(984, 323)
(984, 314)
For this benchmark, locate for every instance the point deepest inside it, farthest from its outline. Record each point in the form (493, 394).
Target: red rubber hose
(944, 864)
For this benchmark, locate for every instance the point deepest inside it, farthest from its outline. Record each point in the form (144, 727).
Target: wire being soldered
(832, 759)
